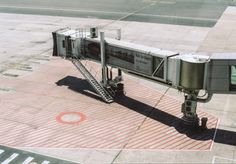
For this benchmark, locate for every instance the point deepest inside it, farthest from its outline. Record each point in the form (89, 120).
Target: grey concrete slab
(222, 37)
(180, 12)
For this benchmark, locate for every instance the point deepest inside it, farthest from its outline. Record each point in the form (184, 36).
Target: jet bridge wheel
(191, 121)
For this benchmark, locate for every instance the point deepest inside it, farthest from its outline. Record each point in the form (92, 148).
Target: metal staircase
(106, 96)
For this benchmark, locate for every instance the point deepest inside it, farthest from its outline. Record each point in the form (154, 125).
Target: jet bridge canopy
(222, 73)
(139, 59)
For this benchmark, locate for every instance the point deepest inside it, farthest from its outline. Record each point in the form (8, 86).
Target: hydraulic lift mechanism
(187, 73)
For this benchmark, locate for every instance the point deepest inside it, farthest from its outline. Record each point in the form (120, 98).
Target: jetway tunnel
(188, 73)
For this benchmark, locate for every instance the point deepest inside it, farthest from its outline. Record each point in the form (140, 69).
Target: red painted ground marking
(109, 126)
(81, 117)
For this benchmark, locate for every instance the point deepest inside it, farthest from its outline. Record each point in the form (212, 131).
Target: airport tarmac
(203, 13)
(48, 108)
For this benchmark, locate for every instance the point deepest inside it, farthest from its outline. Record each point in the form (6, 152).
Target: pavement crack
(30, 125)
(147, 116)
(132, 13)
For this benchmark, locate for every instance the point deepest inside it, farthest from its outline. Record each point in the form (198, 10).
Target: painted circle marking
(70, 117)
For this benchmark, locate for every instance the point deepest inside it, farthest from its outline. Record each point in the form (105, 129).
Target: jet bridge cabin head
(65, 42)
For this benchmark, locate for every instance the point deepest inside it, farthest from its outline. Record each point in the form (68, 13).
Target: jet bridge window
(63, 44)
(158, 67)
(233, 77)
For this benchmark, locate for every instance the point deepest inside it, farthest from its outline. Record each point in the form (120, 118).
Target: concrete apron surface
(47, 107)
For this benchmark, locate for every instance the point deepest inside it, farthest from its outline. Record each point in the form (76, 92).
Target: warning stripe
(101, 125)
(39, 137)
(106, 126)
(198, 139)
(148, 132)
(26, 117)
(154, 135)
(179, 141)
(101, 133)
(177, 138)
(96, 133)
(205, 146)
(152, 140)
(145, 136)
(167, 105)
(149, 138)
(163, 140)
(118, 138)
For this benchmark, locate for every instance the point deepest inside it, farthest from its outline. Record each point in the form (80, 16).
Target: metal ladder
(106, 96)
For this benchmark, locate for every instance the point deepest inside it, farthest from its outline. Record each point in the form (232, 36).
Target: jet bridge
(191, 74)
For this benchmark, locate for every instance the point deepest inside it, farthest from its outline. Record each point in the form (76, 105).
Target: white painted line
(213, 160)
(45, 162)
(214, 137)
(168, 2)
(12, 157)
(178, 17)
(28, 160)
(1, 151)
(228, 159)
(107, 12)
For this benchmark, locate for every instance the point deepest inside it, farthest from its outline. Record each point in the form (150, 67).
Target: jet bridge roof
(223, 56)
(141, 48)
(67, 32)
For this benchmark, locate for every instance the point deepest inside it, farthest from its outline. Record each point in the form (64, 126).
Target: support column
(118, 32)
(118, 37)
(103, 59)
(119, 72)
(189, 110)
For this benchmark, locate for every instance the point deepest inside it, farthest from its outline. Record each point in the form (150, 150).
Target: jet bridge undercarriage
(188, 73)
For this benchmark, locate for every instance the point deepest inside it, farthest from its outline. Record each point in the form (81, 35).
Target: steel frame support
(103, 59)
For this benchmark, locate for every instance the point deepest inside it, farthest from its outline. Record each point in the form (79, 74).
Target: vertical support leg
(55, 50)
(119, 73)
(111, 77)
(119, 38)
(103, 59)
(189, 108)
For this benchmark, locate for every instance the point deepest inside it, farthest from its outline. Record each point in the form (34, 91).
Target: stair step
(95, 84)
